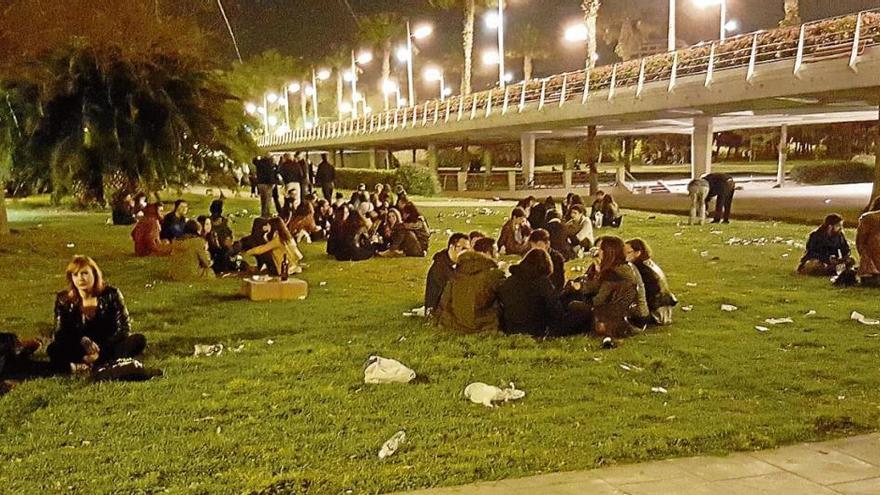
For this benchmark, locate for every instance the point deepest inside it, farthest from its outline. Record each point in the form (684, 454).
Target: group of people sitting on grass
(469, 290)
(828, 252)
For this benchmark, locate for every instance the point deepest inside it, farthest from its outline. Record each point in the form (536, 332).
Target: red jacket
(146, 238)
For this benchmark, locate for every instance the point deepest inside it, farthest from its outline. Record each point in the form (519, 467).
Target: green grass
(295, 417)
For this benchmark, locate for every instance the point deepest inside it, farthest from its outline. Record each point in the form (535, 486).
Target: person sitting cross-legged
(355, 241)
(469, 302)
(280, 244)
(514, 238)
(410, 237)
(91, 321)
(529, 302)
(441, 269)
(659, 297)
(145, 234)
(827, 249)
(580, 227)
(190, 259)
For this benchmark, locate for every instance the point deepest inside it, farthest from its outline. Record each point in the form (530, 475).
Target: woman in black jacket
(659, 297)
(529, 303)
(354, 242)
(91, 321)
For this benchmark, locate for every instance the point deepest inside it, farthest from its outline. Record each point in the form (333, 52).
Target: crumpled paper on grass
(208, 350)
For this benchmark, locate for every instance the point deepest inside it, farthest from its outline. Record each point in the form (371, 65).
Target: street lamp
(495, 20)
(406, 54)
(250, 108)
(725, 26)
(317, 76)
(436, 74)
(389, 88)
(579, 33)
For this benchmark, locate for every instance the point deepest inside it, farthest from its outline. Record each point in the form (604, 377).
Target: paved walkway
(797, 204)
(849, 466)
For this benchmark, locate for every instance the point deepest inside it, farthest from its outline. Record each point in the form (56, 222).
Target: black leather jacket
(110, 323)
(657, 290)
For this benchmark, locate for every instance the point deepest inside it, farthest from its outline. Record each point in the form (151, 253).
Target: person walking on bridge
(721, 186)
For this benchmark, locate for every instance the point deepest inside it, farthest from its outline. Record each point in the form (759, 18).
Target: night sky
(310, 28)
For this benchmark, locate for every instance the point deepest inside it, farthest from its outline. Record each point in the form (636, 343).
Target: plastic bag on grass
(379, 370)
(488, 395)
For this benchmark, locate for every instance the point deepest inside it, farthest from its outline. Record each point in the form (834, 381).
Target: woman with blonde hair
(280, 244)
(91, 321)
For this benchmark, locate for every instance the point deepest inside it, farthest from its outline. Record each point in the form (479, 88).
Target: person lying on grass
(827, 248)
(91, 322)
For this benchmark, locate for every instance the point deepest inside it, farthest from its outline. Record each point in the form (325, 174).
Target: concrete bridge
(822, 72)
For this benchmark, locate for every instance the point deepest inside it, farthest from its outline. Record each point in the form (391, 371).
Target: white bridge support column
(783, 155)
(527, 156)
(701, 147)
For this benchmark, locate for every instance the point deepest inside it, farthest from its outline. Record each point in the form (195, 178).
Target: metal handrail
(848, 37)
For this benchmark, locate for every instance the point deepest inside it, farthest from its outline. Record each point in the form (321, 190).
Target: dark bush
(416, 179)
(349, 178)
(832, 173)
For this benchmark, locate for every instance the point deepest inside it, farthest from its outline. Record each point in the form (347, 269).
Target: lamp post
(436, 74)
(407, 54)
(495, 20)
(725, 24)
(317, 76)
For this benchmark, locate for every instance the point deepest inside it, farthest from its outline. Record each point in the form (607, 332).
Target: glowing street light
(363, 58)
(323, 74)
(492, 19)
(273, 120)
(345, 107)
(389, 88)
(293, 87)
(731, 26)
(491, 58)
(435, 74)
(723, 5)
(407, 54)
(508, 77)
(250, 108)
(272, 97)
(576, 33)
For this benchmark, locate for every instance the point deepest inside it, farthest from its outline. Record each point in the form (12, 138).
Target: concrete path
(797, 204)
(849, 466)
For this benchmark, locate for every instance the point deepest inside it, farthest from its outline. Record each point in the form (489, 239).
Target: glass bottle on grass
(285, 269)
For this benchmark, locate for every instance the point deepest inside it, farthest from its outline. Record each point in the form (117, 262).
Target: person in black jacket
(658, 295)
(442, 268)
(538, 215)
(267, 180)
(722, 186)
(175, 221)
(540, 239)
(259, 236)
(560, 239)
(529, 302)
(326, 177)
(826, 248)
(123, 212)
(354, 244)
(91, 322)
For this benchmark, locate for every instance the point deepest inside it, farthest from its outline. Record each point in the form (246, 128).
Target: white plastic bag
(390, 447)
(208, 350)
(481, 393)
(379, 370)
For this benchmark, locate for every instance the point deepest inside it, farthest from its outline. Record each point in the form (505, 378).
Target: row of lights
(405, 54)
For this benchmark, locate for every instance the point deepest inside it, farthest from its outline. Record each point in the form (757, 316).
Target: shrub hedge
(842, 172)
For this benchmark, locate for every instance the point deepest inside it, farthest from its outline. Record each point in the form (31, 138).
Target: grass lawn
(294, 416)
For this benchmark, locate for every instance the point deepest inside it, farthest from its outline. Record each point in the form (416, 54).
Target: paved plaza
(849, 466)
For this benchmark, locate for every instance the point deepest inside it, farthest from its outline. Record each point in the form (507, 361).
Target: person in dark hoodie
(560, 239)
(540, 239)
(469, 302)
(442, 268)
(174, 223)
(259, 236)
(354, 243)
(529, 302)
(826, 249)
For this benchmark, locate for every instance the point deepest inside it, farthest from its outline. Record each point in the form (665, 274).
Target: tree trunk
(792, 13)
(628, 145)
(468, 44)
(591, 14)
(4, 220)
(876, 192)
(527, 68)
(386, 62)
(592, 152)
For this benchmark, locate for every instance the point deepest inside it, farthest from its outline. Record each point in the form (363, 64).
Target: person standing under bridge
(721, 186)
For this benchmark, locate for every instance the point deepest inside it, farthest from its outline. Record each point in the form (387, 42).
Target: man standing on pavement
(326, 177)
(267, 180)
(722, 186)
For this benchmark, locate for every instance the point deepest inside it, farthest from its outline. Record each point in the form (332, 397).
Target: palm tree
(792, 13)
(591, 15)
(530, 44)
(340, 61)
(379, 31)
(469, 8)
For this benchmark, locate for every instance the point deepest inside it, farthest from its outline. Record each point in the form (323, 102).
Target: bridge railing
(839, 37)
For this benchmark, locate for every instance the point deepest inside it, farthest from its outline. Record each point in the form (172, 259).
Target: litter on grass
(810, 313)
(208, 350)
(778, 321)
(691, 284)
(392, 444)
(762, 329)
(687, 309)
(379, 370)
(659, 390)
(864, 320)
(728, 307)
(419, 312)
(488, 395)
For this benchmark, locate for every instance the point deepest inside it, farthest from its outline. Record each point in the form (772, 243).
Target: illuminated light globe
(422, 31)
(345, 107)
(576, 32)
(402, 54)
(347, 76)
(293, 87)
(731, 26)
(491, 58)
(492, 20)
(323, 74)
(364, 57)
(250, 108)
(273, 120)
(271, 97)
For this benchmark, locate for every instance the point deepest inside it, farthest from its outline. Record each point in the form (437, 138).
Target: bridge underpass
(821, 73)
